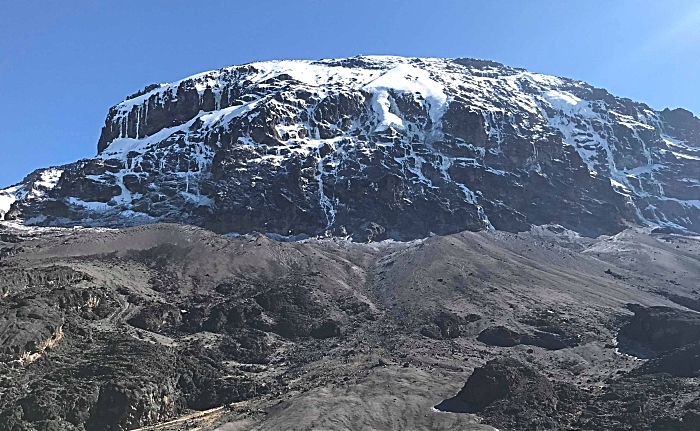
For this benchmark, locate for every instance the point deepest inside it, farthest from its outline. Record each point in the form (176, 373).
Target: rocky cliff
(374, 148)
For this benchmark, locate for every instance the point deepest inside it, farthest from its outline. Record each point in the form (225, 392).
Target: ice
(685, 156)
(405, 78)
(382, 106)
(48, 178)
(92, 206)
(224, 116)
(120, 147)
(7, 198)
(500, 95)
(565, 102)
(199, 200)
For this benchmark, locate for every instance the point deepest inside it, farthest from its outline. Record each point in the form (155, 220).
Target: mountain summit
(376, 147)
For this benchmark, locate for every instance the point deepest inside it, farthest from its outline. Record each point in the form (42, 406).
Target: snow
(672, 142)
(405, 78)
(681, 148)
(9, 196)
(224, 116)
(48, 178)
(6, 200)
(428, 82)
(120, 147)
(563, 101)
(620, 188)
(397, 75)
(382, 106)
(92, 206)
(511, 102)
(199, 200)
(685, 156)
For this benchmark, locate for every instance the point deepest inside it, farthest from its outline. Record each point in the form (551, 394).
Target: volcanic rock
(373, 148)
(661, 329)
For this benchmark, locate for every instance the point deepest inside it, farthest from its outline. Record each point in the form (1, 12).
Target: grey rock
(314, 148)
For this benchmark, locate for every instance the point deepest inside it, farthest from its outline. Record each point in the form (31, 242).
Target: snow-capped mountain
(376, 147)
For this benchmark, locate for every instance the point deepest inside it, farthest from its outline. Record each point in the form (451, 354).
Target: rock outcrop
(661, 329)
(374, 148)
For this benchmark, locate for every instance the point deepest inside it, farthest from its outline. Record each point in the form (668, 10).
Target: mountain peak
(377, 147)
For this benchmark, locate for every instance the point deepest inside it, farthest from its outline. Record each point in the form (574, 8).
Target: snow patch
(7, 198)
(92, 206)
(405, 78)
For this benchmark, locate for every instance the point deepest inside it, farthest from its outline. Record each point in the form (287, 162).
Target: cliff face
(374, 148)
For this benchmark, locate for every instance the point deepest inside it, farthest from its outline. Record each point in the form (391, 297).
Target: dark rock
(504, 378)
(692, 303)
(662, 328)
(547, 338)
(431, 331)
(691, 420)
(513, 395)
(500, 336)
(680, 362)
(134, 404)
(156, 317)
(550, 341)
(328, 329)
(450, 324)
(372, 183)
(469, 318)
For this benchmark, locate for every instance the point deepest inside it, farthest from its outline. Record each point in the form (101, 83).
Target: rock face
(374, 148)
(681, 362)
(661, 329)
(504, 378)
(554, 339)
(530, 399)
(513, 395)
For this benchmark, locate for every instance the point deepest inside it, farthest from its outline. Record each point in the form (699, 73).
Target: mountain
(376, 147)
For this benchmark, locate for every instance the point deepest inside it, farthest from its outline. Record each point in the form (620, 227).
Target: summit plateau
(376, 147)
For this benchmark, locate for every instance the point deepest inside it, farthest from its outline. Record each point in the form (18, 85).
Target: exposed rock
(375, 148)
(660, 329)
(551, 340)
(511, 395)
(692, 303)
(681, 362)
(156, 317)
(450, 324)
(500, 336)
(328, 329)
(506, 385)
(500, 379)
(119, 329)
(547, 338)
(431, 331)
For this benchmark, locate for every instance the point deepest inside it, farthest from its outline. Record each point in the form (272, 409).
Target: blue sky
(63, 64)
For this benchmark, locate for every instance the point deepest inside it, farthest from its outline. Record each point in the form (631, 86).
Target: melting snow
(7, 198)
(120, 147)
(406, 78)
(93, 206)
(496, 93)
(48, 178)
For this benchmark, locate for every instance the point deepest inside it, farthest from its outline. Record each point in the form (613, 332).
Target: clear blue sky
(64, 63)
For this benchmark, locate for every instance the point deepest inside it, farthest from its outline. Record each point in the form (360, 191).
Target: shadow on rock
(655, 330)
(547, 338)
(514, 394)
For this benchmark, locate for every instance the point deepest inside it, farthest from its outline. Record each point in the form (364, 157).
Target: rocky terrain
(367, 243)
(374, 148)
(172, 327)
